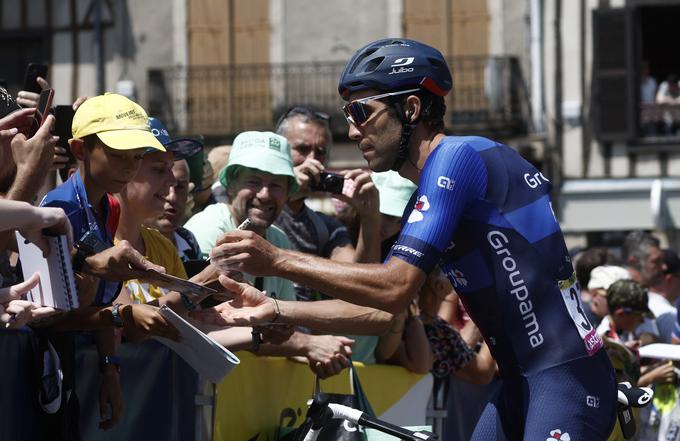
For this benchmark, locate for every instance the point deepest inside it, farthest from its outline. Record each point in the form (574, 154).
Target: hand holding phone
(33, 71)
(42, 111)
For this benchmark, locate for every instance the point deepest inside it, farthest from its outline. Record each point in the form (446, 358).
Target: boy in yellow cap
(110, 136)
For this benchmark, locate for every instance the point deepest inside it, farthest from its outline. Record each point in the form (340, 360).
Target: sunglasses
(357, 113)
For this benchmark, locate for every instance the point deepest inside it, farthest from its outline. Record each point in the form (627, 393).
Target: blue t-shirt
(483, 214)
(72, 198)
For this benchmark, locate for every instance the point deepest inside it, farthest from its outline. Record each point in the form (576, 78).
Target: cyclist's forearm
(389, 287)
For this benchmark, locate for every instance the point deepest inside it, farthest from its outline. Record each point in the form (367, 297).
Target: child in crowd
(110, 135)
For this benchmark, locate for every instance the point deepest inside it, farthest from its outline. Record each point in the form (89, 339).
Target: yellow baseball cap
(118, 122)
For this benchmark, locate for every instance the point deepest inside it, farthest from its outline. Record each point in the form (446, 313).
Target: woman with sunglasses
(483, 214)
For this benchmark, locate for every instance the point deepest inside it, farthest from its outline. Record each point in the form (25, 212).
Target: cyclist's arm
(390, 286)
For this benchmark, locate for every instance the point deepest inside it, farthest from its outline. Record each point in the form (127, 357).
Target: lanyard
(93, 225)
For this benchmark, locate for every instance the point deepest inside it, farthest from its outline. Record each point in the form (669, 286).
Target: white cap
(604, 276)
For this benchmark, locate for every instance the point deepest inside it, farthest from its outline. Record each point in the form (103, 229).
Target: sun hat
(394, 192)
(118, 122)
(603, 276)
(263, 151)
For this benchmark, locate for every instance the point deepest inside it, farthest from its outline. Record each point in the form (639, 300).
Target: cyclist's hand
(249, 306)
(328, 354)
(245, 251)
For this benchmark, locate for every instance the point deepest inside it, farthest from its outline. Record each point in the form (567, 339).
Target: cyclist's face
(379, 135)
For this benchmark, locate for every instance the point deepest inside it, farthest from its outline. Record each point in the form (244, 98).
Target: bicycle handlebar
(320, 411)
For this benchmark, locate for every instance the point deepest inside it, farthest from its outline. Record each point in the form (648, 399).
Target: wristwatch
(88, 245)
(109, 359)
(115, 316)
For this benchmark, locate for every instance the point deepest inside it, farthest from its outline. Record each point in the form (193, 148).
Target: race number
(571, 294)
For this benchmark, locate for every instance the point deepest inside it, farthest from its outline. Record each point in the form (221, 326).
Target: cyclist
(483, 214)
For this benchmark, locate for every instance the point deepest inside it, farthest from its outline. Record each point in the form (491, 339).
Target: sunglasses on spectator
(357, 113)
(306, 111)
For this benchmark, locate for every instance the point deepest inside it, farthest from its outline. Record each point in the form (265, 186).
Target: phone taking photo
(62, 125)
(42, 111)
(33, 71)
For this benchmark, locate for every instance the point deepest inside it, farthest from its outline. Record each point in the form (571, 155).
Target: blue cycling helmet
(394, 64)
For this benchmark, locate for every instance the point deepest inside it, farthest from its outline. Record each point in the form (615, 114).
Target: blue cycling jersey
(483, 214)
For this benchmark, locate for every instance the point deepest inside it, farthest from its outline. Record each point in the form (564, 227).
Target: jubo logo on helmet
(400, 63)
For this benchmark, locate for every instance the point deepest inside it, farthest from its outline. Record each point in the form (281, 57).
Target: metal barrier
(221, 101)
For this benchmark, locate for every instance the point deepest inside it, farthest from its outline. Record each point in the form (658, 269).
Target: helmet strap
(407, 128)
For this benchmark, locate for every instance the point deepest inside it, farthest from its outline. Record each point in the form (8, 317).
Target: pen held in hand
(243, 226)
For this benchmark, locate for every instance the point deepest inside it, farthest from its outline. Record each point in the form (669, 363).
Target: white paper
(57, 287)
(210, 359)
(661, 351)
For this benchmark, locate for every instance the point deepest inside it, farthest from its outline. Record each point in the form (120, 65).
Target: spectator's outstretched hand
(31, 99)
(34, 155)
(47, 218)
(328, 355)
(119, 263)
(14, 123)
(250, 306)
(143, 321)
(15, 312)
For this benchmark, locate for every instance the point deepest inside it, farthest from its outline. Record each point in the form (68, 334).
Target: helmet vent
(373, 64)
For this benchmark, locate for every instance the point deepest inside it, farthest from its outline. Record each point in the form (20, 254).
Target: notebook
(57, 286)
(210, 359)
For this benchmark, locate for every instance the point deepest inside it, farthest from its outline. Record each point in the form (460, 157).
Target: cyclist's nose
(354, 133)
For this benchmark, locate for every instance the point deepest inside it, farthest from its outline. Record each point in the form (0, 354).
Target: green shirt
(215, 220)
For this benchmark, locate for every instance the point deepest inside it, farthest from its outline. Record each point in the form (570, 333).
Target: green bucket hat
(394, 191)
(263, 151)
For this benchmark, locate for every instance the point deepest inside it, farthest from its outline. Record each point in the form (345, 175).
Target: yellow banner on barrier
(265, 393)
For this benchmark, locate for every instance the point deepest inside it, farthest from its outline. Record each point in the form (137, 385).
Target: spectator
(258, 179)
(669, 91)
(644, 261)
(174, 209)
(647, 84)
(308, 134)
(601, 279)
(110, 134)
(585, 262)
(664, 295)
(406, 343)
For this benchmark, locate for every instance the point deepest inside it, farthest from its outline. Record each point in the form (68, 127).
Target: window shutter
(613, 97)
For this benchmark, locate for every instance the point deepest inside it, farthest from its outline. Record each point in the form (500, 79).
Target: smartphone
(42, 111)
(33, 71)
(62, 126)
(329, 182)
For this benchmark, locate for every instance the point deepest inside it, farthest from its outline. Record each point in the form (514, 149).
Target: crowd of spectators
(127, 184)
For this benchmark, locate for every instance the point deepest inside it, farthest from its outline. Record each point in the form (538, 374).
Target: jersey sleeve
(453, 176)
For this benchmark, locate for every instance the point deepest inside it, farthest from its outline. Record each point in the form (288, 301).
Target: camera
(329, 183)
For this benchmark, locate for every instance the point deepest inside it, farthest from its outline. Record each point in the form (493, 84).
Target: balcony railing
(221, 101)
